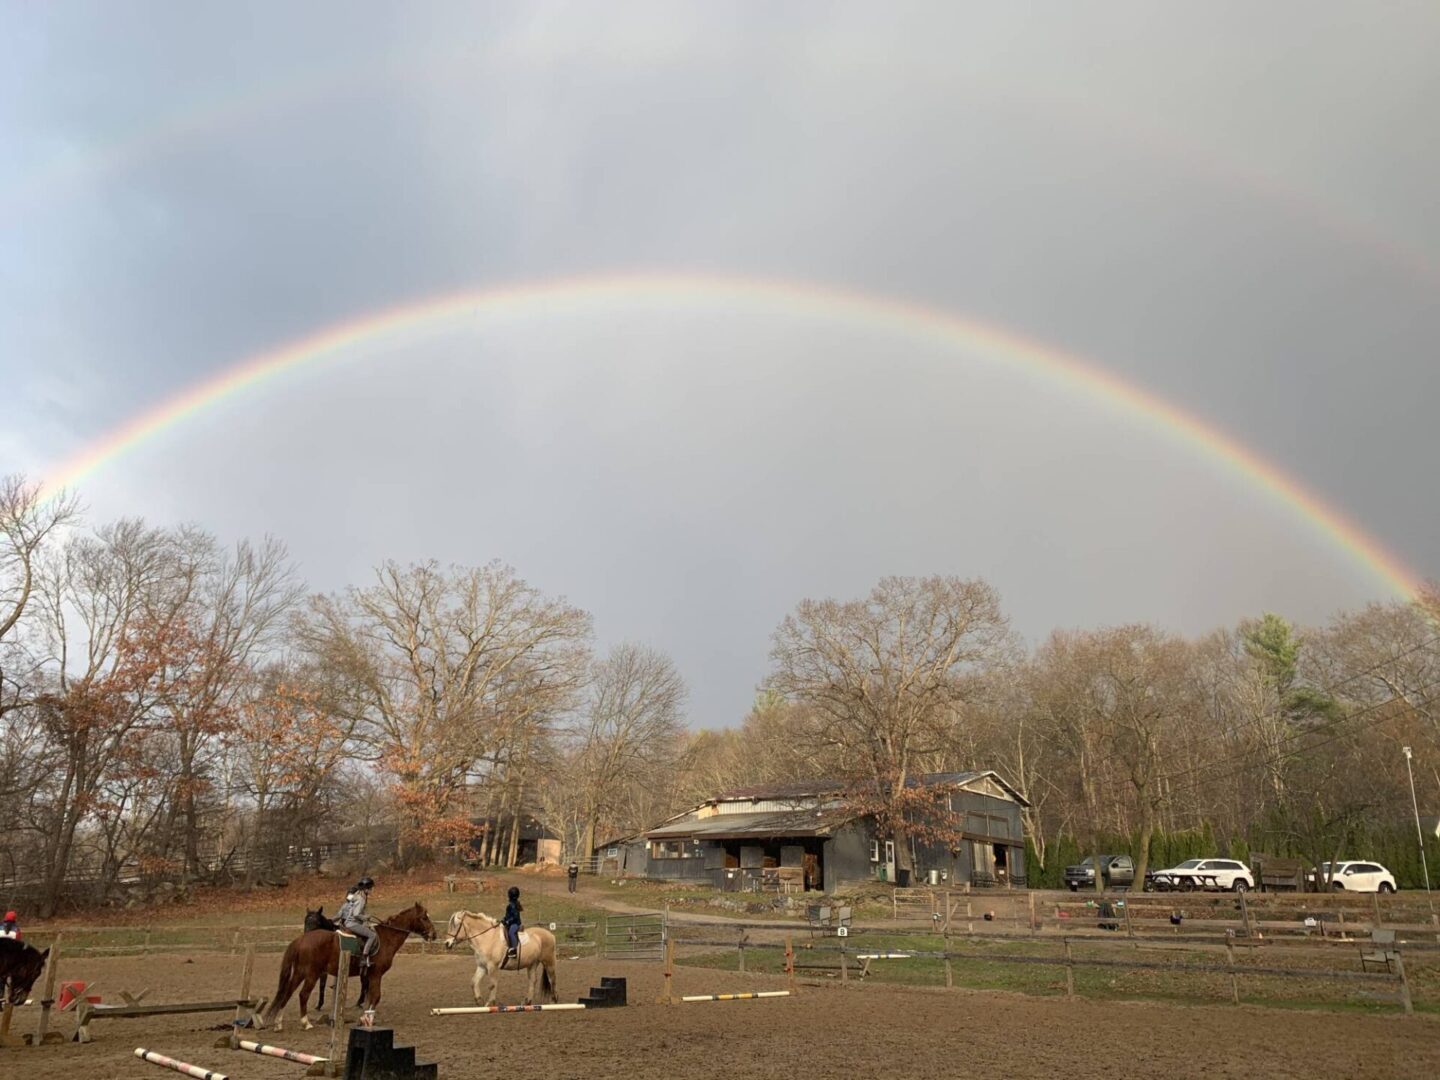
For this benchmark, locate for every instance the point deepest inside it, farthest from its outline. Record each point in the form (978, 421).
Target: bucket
(932, 877)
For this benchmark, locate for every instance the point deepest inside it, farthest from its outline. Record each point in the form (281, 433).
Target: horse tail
(547, 982)
(286, 986)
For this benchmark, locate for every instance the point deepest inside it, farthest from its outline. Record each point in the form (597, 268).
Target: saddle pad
(523, 938)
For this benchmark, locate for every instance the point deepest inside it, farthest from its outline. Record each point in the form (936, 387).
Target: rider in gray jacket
(352, 918)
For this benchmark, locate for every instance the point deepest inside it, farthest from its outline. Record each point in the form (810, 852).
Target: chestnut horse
(317, 953)
(486, 938)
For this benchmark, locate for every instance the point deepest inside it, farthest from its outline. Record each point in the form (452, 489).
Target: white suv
(1354, 876)
(1207, 874)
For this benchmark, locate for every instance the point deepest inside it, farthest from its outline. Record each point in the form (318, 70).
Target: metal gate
(634, 937)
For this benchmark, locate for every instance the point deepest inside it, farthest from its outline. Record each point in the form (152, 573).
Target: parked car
(1195, 874)
(1117, 872)
(1354, 876)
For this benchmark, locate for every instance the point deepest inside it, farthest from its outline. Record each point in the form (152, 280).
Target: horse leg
(373, 991)
(305, 989)
(550, 974)
(321, 1003)
(534, 974)
(475, 982)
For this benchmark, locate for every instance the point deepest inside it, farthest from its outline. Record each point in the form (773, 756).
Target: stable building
(804, 836)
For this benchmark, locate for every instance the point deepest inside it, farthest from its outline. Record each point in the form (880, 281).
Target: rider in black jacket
(511, 922)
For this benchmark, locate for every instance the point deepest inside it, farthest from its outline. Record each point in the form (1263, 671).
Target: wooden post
(790, 963)
(1375, 900)
(1034, 920)
(1405, 1002)
(1129, 926)
(235, 942)
(1234, 979)
(969, 923)
(337, 1025)
(245, 973)
(949, 907)
(895, 906)
(668, 998)
(1069, 971)
(43, 1034)
(949, 972)
(145, 948)
(844, 963)
(1245, 913)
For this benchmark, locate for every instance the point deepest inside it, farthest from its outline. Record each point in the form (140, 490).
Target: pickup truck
(1117, 872)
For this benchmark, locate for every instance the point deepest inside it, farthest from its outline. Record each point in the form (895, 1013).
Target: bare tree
(432, 666)
(887, 679)
(629, 735)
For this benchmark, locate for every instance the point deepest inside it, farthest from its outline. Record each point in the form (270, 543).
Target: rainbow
(796, 299)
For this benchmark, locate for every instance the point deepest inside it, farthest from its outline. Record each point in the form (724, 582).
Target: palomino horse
(487, 939)
(317, 953)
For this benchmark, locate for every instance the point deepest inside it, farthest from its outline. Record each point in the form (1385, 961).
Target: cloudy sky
(1230, 205)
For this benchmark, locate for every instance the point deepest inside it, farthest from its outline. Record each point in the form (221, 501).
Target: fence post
(145, 948)
(1069, 971)
(1375, 899)
(1234, 979)
(790, 963)
(52, 967)
(1129, 927)
(844, 963)
(1034, 921)
(245, 974)
(1406, 1003)
(969, 921)
(235, 942)
(669, 996)
(740, 949)
(949, 907)
(949, 972)
(1245, 913)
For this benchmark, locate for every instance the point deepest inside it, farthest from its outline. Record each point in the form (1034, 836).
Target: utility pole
(1419, 832)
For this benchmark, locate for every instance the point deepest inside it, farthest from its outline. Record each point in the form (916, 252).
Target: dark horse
(317, 953)
(317, 920)
(20, 966)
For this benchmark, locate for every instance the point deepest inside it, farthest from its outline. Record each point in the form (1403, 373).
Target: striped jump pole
(738, 997)
(281, 1052)
(884, 956)
(179, 1066)
(481, 1010)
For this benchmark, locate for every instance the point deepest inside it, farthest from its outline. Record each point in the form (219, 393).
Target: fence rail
(635, 937)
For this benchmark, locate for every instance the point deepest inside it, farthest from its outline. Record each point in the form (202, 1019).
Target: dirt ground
(824, 1032)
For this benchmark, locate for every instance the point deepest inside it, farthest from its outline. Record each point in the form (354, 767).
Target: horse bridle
(472, 937)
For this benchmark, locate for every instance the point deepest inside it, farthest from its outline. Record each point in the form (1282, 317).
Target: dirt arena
(827, 1031)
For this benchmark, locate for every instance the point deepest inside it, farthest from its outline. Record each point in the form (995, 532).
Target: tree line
(173, 708)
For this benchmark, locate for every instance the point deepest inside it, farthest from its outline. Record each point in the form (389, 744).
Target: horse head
(23, 972)
(457, 924)
(414, 920)
(317, 920)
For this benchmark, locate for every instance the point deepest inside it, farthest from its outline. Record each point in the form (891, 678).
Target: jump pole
(179, 1066)
(279, 1052)
(483, 1010)
(738, 997)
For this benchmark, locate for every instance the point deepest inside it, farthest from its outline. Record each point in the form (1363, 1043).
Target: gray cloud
(1242, 222)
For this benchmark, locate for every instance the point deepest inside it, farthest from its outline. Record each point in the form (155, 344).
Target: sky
(1230, 206)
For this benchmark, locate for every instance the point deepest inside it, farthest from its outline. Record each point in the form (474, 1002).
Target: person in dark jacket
(573, 873)
(511, 923)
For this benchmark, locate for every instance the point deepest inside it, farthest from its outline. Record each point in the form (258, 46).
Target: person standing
(573, 874)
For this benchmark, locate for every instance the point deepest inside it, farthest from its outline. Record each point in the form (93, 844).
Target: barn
(804, 836)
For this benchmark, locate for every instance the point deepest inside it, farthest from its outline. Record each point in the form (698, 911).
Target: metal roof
(827, 786)
(736, 826)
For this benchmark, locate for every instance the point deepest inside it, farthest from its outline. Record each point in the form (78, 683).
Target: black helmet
(514, 892)
(365, 883)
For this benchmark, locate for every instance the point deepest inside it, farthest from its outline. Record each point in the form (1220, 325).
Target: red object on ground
(71, 992)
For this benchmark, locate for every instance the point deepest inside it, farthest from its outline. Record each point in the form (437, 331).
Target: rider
(10, 928)
(511, 922)
(353, 919)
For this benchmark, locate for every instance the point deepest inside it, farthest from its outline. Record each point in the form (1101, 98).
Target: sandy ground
(823, 1032)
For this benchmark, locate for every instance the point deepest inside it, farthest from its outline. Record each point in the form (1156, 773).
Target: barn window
(668, 849)
(874, 850)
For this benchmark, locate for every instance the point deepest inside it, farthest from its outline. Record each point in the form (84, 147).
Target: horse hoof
(307, 1025)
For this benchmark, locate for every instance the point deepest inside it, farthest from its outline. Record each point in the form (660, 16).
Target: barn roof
(771, 823)
(800, 789)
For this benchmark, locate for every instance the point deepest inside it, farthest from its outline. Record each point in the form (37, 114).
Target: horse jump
(279, 1052)
(738, 997)
(179, 1066)
(478, 1010)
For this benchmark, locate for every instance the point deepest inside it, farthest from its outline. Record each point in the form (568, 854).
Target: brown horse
(313, 955)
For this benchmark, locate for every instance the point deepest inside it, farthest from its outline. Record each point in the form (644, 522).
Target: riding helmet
(365, 883)
(514, 893)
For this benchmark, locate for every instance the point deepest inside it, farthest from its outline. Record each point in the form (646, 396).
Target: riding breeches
(366, 934)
